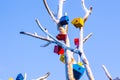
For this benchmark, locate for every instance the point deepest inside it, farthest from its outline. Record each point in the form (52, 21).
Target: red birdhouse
(58, 49)
(61, 36)
(76, 42)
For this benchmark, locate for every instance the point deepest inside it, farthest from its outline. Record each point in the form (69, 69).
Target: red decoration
(58, 49)
(61, 36)
(76, 42)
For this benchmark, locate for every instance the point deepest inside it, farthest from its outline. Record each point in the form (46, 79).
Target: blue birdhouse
(20, 77)
(78, 71)
(64, 20)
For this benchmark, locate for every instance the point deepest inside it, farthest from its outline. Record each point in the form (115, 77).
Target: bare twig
(50, 13)
(36, 36)
(43, 77)
(87, 37)
(106, 72)
(88, 11)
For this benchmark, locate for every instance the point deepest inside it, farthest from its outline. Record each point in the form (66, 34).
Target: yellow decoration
(78, 22)
(10, 79)
(62, 58)
(80, 63)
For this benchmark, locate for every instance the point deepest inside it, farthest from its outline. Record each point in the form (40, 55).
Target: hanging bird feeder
(62, 58)
(58, 49)
(20, 77)
(61, 36)
(10, 79)
(64, 20)
(76, 42)
(78, 71)
(78, 22)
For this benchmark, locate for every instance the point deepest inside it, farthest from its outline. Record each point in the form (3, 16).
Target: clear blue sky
(21, 53)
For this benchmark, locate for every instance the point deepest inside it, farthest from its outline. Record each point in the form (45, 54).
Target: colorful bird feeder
(20, 77)
(61, 36)
(76, 42)
(78, 71)
(64, 20)
(10, 79)
(58, 49)
(78, 22)
(80, 63)
(62, 58)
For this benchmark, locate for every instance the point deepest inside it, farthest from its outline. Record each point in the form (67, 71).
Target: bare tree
(68, 51)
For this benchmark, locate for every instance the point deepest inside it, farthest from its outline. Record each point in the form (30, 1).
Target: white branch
(50, 12)
(25, 76)
(36, 36)
(43, 77)
(88, 11)
(52, 39)
(106, 72)
(87, 37)
(60, 8)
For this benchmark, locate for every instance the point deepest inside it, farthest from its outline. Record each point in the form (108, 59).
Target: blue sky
(21, 53)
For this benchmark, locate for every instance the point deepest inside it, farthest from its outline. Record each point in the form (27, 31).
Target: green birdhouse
(78, 22)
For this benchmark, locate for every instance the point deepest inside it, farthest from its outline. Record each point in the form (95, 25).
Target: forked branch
(88, 11)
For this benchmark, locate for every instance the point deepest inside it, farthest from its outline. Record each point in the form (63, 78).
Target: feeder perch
(20, 77)
(78, 71)
(76, 42)
(78, 22)
(62, 58)
(61, 36)
(64, 20)
(58, 49)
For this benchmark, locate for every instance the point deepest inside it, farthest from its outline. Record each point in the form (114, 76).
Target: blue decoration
(20, 77)
(64, 20)
(78, 71)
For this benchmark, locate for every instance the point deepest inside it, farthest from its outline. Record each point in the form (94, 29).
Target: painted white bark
(83, 57)
(81, 48)
(106, 72)
(68, 54)
(43, 77)
(25, 76)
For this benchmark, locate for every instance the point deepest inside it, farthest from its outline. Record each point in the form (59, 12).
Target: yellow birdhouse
(78, 22)
(10, 79)
(62, 58)
(80, 63)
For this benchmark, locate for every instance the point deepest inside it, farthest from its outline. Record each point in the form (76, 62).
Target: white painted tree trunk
(68, 54)
(83, 57)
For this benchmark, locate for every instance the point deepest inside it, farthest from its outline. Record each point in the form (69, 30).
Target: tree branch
(36, 36)
(50, 13)
(43, 77)
(60, 8)
(87, 37)
(106, 72)
(88, 11)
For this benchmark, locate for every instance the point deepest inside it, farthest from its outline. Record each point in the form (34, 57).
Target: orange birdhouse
(61, 36)
(78, 22)
(58, 49)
